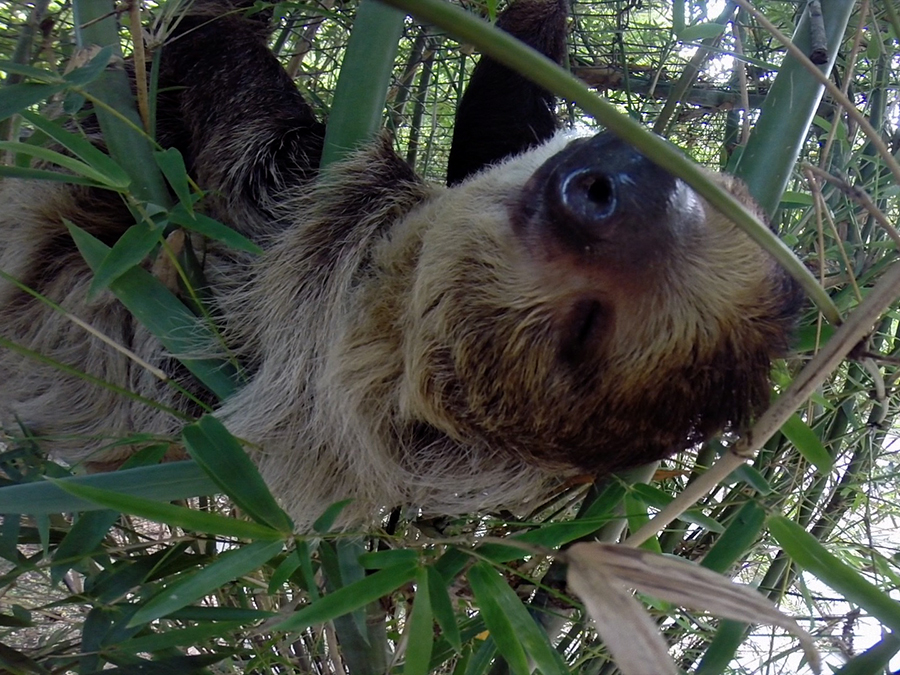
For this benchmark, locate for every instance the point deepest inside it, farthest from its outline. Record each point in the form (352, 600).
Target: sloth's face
(579, 306)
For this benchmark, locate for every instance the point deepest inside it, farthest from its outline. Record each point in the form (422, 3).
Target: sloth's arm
(502, 113)
(250, 134)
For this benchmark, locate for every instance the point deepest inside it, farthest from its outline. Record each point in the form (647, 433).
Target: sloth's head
(577, 306)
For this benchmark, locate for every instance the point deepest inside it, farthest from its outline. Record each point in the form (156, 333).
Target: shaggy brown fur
(407, 344)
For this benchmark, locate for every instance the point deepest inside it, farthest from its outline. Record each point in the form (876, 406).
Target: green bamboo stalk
(775, 142)
(359, 97)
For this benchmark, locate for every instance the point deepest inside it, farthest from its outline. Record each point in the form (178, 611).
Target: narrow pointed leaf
(807, 443)
(218, 453)
(82, 148)
(226, 568)
(209, 227)
(164, 315)
(137, 242)
(18, 97)
(421, 629)
(350, 598)
(39, 174)
(514, 630)
(175, 516)
(166, 482)
(64, 161)
(808, 553)
(442, 608)
(171, 163)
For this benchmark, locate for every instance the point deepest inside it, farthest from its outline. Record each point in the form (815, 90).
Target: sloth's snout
(598, 189)
(600, 196)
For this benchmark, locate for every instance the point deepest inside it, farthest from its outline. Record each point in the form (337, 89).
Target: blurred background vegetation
(92, 591)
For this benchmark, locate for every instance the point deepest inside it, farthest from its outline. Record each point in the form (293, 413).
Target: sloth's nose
(599, 185)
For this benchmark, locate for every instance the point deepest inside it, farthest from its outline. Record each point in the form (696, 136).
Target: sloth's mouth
(583, 330)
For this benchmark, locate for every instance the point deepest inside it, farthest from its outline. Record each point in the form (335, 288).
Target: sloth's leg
(251, 134)
(502, 113)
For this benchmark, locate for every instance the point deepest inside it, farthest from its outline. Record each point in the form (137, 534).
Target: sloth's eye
(582, 330)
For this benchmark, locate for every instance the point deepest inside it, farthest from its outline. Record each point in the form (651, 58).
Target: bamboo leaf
(442, 608)
(213, 229)
(85, 536)
(364, 80)
(91, 70)
(17, 97)
(173, 324)
(517, 635)
(809, 554)
(223, 459)
(27, 173)
(781, 128)
(135, 244)
(175, 516)
(187, 637)
(807, 443)
(420, 634)
(171, 163)
(737, 539)
(350, 598)
(226, 568)
(64, 161)
(81, 147)
(166, 482)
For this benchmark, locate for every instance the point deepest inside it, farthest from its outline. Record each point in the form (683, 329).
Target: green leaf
(442, 607)
(171, 163)
(174, 516)
(325, 522)
(283, 572)
(64, 161)
(637, 516)
(420, 632)
(81, 147)
(17, 97)
(377, 560)
(701, 31)
(39, 74)
(807, 443)
(752, 477)
(515, 632)
(135, 244)
(164, 315)
(809, 554)
(174, 480)
(770, 156)
(188, 637)
(350, 598)
(92, 70)
(659, 499)
(737, 538)
(219, 454)
(363, 83)
(27, 173)
(209, 227)
(83, 539)
(228, 567)
(723, 647)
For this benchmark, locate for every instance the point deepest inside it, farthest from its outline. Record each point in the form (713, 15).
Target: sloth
(563, 307)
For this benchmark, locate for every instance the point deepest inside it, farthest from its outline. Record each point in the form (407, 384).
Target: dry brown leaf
(599, 573)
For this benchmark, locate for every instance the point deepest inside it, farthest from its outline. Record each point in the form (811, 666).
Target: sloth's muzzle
(600, 198)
